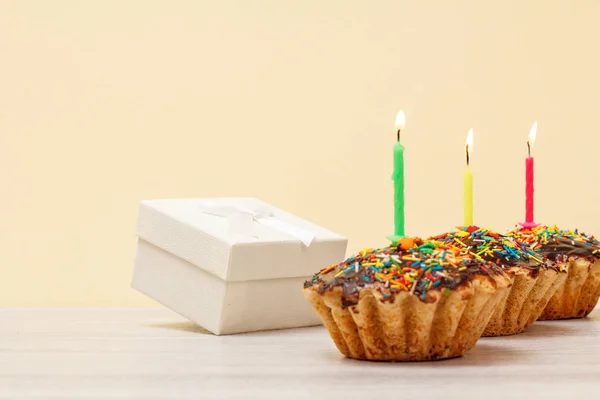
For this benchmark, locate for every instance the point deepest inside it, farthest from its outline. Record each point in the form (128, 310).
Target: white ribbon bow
(243, 222)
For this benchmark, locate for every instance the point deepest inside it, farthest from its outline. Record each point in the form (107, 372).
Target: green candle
(398, 178)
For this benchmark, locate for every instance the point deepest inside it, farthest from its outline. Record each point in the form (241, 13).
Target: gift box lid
(239, 239)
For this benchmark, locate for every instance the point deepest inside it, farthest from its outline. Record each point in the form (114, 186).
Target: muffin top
(557, 244)
(508, 251)
(415, 266)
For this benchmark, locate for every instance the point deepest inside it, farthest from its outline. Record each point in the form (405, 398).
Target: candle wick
(467, 151)
(398, 134)
(528, 149)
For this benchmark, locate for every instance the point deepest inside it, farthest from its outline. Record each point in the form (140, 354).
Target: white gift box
(231, 265)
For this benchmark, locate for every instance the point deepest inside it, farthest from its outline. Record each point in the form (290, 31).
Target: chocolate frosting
(506, 251)
(560, 245)
(561, 248)
(420, 268)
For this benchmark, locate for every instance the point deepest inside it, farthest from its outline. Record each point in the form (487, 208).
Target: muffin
(534, 277)
(580, 255)
(415, 301)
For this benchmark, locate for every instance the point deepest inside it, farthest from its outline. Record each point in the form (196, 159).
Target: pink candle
(529, 222)
(529, 190)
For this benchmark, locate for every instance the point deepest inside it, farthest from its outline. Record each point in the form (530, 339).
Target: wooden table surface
(156, 354)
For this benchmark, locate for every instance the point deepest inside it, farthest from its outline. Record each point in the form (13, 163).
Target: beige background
(105, 103)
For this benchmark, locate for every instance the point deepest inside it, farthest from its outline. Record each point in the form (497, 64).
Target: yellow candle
(468, 183)
(468, 176)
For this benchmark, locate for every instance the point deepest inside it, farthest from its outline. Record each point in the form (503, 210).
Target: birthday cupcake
(415, 301)
(579, 254)
(534, 278)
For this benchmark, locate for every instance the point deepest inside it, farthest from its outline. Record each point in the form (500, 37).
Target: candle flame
(533, 133)
(400, 120)
(469, 143)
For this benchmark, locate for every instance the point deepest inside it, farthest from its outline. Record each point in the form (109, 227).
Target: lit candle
(398, 178)
(468, 183)
(529, 222)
